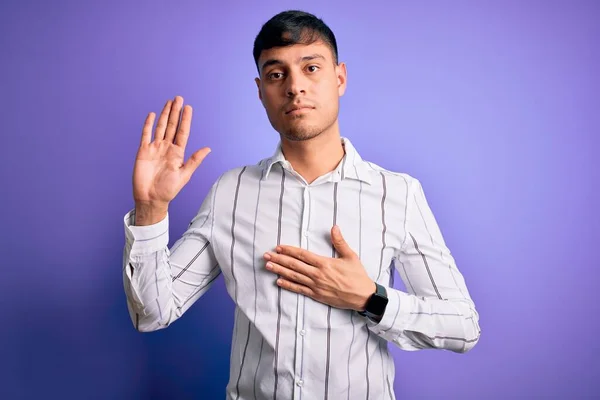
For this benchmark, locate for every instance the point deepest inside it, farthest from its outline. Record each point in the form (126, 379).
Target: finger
(302, 255)
(292, 263)
(195, 160)
(147, 129)
(183, 133)
(294, 287)
(289, 274)
(174, 116)
(340, 244)
(159, 133)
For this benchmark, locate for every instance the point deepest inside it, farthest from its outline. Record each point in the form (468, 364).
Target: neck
(317, 156)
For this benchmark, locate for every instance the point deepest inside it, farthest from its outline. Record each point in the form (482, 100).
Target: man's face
(300, 87)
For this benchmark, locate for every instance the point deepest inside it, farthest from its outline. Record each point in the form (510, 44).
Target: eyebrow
(275, 61)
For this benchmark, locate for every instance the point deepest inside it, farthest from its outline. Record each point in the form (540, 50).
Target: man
(307, 240)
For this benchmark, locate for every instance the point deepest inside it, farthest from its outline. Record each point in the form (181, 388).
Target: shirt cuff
(394, 317)
(146, 239)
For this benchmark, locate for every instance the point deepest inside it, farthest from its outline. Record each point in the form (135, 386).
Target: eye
(275, 75)
(312, 68)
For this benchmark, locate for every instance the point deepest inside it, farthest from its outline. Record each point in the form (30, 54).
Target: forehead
(293, 54)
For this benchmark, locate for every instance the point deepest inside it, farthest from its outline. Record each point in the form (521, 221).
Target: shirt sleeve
(161, 283)
(438, 311)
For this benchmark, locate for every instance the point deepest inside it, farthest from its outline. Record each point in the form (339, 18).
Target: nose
(295, 84)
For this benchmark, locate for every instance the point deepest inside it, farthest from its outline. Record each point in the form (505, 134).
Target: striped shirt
(286, 345)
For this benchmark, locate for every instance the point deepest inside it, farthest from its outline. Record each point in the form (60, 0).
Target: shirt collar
(352, 165)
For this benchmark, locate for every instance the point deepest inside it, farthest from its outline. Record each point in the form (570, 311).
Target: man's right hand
(159, 172)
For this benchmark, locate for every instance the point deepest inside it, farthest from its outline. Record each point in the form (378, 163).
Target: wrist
(365, 295)
(376, 304)
(149, 213)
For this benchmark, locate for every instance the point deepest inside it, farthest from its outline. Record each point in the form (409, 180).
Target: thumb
(195, 160)
(339, 243)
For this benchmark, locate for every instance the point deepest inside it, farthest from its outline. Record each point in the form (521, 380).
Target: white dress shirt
(286, 345)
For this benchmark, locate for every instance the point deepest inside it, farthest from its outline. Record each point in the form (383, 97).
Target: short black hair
(293, 27)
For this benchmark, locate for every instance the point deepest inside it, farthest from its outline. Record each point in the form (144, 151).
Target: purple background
(494, 107)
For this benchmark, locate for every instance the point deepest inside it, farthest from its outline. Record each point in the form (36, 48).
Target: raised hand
(159, 172)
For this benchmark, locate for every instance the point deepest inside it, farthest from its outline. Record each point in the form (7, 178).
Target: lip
(299, 110)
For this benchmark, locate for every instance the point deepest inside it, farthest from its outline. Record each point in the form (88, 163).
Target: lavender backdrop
(494, 106)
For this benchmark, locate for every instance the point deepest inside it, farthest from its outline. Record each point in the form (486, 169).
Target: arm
(438, 311)
(161, 283)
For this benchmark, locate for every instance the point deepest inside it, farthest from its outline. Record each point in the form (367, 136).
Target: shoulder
(232, 176)
(377, 172)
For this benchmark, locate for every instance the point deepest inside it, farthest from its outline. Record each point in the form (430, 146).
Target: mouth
(299, 110)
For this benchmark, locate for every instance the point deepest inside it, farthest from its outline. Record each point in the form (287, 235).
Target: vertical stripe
(212, 211)
(232, 263)
(395, 316)
(368, 361)
(296, 341)
(255, 284)
(412, 289)
(383, 223)
(231, 259)
(433, 242)
(350, 351)
(335, 192)
(360, 258)
(262, 342)
(426, 266)
(237, 385)
(304, 301)
(328, 352)
(254, 249)
(302, 355)
(333, 251)
(137, 316)
(235, 339)
(383, 372)
(360, 220)
(275, 366)
(160, 316)
(235, 201)
(405, 210)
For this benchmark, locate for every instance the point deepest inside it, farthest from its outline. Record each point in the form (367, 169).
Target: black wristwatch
(376, 304)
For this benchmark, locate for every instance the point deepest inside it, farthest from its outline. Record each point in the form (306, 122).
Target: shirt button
(299, 382)
(306, 233)
(302, 332)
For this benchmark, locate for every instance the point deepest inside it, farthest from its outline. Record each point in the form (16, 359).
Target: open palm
(160, 172)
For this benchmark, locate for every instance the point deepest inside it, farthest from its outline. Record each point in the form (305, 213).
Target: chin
(301, 133)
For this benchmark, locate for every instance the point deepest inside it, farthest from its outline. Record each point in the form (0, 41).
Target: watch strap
(379, 291)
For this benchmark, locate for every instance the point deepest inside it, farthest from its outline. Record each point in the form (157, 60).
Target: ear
(341, 73)
(257, 80)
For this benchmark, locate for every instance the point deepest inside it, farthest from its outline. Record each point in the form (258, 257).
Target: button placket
(305, 234)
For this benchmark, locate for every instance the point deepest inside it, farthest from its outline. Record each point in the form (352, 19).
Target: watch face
(377, 305)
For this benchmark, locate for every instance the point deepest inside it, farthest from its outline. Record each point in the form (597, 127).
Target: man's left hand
(340, 282)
